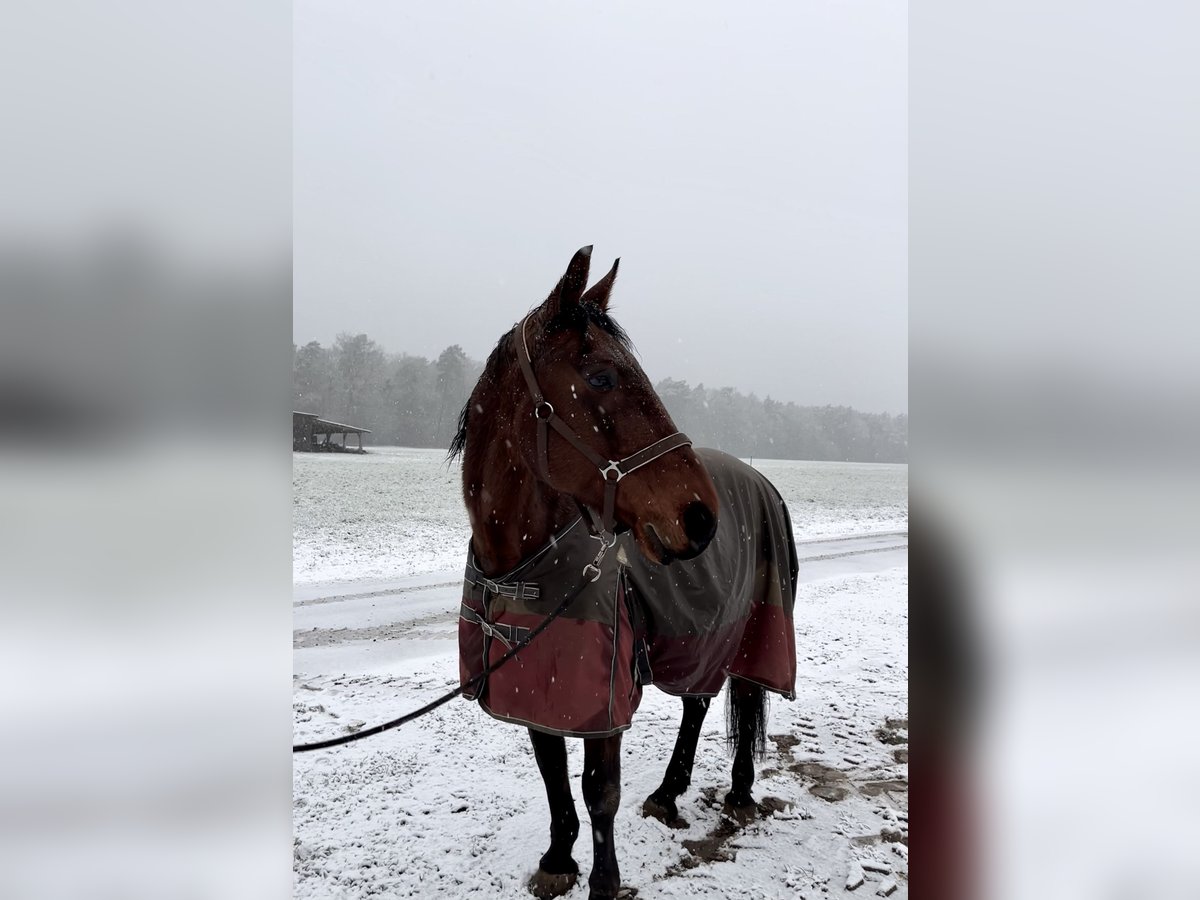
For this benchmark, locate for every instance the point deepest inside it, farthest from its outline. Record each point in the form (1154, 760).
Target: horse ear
(598, 292)
(570, 287)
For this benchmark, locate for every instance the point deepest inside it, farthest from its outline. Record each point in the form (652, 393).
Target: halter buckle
(612, 467)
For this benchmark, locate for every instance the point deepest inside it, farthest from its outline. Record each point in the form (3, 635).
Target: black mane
(503, 355)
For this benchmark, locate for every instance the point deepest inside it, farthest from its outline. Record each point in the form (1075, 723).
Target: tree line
(414, 402)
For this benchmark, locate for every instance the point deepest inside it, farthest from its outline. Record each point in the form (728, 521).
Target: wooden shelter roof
(325, 426)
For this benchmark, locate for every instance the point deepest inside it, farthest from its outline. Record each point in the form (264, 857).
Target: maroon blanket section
(576, 678)
(762, 650)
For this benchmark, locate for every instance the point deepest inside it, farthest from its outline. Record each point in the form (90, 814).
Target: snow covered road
(417, 615)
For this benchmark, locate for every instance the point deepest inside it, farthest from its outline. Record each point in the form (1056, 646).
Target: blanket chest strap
(518, 590)
(506, 634)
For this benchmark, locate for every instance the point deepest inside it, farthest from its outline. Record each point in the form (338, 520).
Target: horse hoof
(667, 813)
(543, 885)
(742, 810)
(623, 893)
(663, 810)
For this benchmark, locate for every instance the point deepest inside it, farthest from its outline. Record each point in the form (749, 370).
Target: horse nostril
(699, 524)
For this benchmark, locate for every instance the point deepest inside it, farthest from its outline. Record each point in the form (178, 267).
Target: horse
(574, 475)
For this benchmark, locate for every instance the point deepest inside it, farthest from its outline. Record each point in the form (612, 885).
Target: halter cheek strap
(611, 470)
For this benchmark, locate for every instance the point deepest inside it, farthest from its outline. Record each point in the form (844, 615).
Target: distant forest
(414, 402)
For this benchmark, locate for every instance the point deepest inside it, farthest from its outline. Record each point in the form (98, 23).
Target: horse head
(574, 408)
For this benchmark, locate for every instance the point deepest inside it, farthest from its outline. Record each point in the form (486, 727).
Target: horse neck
(512, 512)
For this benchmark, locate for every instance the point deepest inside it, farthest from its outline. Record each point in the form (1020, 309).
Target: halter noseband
(611, 470)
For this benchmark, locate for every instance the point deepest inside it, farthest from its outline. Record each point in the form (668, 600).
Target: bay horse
(575, 477)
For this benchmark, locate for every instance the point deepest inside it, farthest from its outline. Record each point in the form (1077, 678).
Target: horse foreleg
(557, 871)
(661, 804)
(602, 793)
(747, 720)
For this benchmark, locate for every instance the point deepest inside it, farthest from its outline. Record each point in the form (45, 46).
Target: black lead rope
(446, 698)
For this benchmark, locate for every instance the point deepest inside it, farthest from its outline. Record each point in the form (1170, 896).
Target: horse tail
(746, 717)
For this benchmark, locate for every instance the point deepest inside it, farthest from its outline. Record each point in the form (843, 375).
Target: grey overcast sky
(747, 162)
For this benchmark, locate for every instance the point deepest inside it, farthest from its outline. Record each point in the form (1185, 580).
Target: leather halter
(611, 470)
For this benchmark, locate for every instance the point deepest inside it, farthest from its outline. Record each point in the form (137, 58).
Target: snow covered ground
(452, 804)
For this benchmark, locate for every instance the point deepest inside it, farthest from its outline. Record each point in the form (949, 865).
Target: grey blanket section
(751, 558)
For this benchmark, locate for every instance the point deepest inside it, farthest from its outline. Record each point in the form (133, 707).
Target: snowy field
(396, 511)
(452, 805)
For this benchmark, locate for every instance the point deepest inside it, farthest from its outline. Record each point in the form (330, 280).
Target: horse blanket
(683, 627)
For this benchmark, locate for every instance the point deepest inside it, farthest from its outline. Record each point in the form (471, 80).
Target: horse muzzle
(685, 539)
(700, 526)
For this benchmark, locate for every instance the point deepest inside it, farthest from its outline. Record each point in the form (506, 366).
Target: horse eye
(603, 381)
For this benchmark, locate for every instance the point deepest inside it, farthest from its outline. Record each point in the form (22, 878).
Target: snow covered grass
(395, 512)
(391, 512)
(832, 498)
